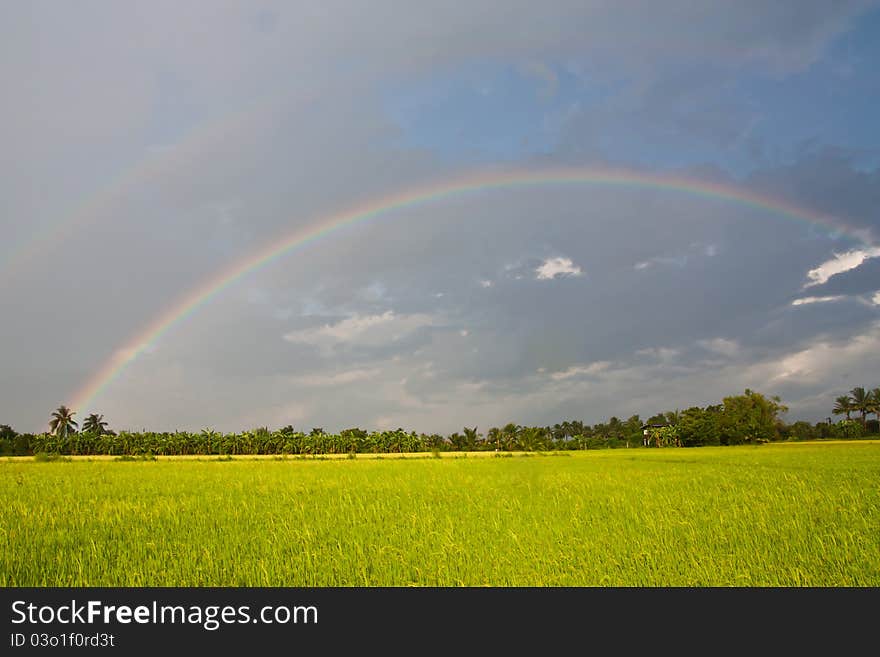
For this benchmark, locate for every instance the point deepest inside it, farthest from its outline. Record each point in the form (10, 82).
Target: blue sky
(149, 148)
(504, 111)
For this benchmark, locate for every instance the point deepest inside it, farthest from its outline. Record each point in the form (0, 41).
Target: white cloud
(581, 370)
(371, 330)
(876, 298)
(486, 283)
(673, 261)
(553, 267)
(342, 331)
(720, 346)
(470, 387)
(680, 260)
(663, 354)
(840, 263)
(825, 360)
(463, 333)
(807, 300)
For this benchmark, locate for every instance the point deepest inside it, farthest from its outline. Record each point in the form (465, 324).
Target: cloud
(662, 354)
(861, 280)
(362, 330)
(581, 370)
(806, 300)
(343, 331)
(471, 387)
(557, 267)
(680, 260)
(806, 377)
(722, 346)
(823, 359)
(841, 262)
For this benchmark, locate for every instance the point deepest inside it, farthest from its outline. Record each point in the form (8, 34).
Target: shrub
(46, 457)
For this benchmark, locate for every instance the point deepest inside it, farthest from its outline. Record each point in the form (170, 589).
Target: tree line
(748, 418)
(860, 401)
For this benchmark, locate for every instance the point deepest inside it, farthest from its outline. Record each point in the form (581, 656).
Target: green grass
(788, 515)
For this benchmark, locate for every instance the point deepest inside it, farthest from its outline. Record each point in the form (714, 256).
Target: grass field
(781, 514)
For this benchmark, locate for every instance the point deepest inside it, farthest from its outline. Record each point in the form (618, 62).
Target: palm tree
(875, 402)
(95, 424)
(493, 437)
(843, 404)
(62, 421)
(861, 401)
(510, 436)
(672, 417)
(471, 437)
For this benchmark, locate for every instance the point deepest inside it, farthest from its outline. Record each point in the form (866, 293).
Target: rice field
(801, 514)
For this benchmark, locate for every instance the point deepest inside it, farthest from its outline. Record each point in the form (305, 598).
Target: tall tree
(861, 402)
(471, 437)
(875, 402)
(62, 422)
(843, 404)
(95, 424)
(698, 426)
(672, 417)
(749, 417)
(510, 436)
(493, 438)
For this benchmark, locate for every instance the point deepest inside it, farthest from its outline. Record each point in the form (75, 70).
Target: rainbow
(189, 303)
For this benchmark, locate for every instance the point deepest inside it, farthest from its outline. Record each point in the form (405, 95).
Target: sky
(152, 148)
